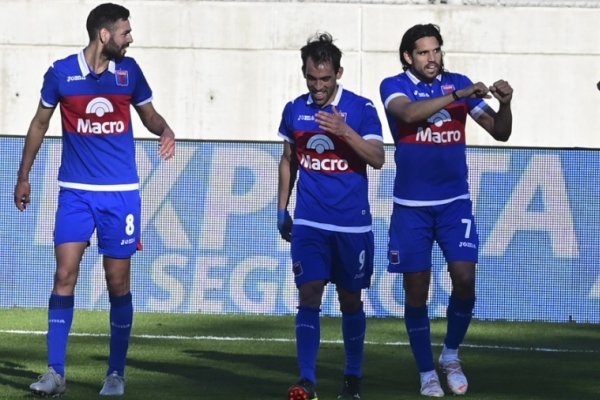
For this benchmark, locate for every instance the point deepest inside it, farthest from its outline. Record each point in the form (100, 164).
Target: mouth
(319, 96)
(432, 68)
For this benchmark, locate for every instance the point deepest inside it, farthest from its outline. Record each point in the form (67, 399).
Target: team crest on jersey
(394, 257)
(122, 77)
(297, 268)
(447, 89)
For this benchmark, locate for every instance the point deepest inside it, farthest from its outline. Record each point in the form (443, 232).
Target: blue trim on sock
(59, 301)
(120, 301)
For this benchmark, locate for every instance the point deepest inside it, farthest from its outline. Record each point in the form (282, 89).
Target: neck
(97, 61)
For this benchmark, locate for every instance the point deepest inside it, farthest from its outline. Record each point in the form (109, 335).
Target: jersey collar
(85, 68)
(416, 80)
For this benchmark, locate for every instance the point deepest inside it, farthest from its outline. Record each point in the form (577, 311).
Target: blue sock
(121, 319)
(354, 326)
(60, 318)
(308, 337)
(419, 335)
(459, 314)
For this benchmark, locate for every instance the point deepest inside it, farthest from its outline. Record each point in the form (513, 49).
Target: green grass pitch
(224, 357)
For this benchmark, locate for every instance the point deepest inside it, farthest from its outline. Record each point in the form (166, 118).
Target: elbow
(502, 136)
(378, 163)
(409, 119)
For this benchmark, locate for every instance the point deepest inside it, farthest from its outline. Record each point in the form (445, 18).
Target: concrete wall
(224, 70)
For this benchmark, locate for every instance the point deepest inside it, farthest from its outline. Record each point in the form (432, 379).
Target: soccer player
(330, 136)
(98, 181)
(426, 107)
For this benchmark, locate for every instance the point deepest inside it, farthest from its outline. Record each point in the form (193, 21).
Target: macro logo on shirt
(97, 108)
(432, 135)
(321, 146)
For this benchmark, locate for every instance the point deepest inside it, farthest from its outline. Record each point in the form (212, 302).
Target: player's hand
(502, 91)
(166, 143)
(22, 194)
(284, 224)
(334, 123)
(476, 91)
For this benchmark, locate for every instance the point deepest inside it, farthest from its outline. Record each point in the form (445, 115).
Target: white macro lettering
(327, 164)
(98, 128)
(427, 135)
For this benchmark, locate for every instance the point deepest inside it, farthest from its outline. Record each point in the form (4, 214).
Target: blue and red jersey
(332, 189)
(98, 147)
(430, 156)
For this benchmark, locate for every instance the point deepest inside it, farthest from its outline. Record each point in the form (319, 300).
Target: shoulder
(401, 77)
(65, 65)
(300, 101)
(396, 83)
(356, 99)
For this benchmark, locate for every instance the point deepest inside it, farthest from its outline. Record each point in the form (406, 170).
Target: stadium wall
(211, 243)
(223, 70)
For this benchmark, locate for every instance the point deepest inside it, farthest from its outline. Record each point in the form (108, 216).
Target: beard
(113, 51)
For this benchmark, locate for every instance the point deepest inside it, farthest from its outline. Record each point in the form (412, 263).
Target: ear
(339, 73)
(104, 35)
(407, 57)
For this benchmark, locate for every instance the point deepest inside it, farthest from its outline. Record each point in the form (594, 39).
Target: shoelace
(453, 367)
(113, 380)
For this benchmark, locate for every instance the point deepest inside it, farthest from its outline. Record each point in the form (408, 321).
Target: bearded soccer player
(98, 181)
(426, 108)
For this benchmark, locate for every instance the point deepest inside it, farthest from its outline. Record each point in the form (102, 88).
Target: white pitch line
(288, 340)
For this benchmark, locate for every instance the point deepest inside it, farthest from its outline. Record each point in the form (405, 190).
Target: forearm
(33, 142)
(285, 183)
(503, 123)
(156, 124)
(421, 110)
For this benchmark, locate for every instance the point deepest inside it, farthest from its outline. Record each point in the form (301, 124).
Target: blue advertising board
(211, 244)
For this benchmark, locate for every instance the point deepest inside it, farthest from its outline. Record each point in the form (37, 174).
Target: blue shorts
(114, 215)
(345, 259)
(414, 229)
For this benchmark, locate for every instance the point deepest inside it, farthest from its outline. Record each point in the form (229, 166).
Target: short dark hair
(415, 33)
(320, 49)
(105, 16)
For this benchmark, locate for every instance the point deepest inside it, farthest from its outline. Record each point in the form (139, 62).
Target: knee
(65, 278)
(416, 295)
(310, 294)
(350, 304)
(464, 289)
